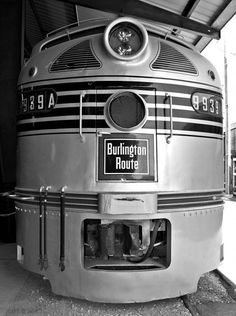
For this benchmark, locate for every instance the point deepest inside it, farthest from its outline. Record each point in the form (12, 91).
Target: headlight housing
(125, 38)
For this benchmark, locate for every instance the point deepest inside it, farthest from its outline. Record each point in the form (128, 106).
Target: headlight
(125, 38)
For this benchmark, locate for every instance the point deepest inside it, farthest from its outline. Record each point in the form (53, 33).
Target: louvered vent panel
(171, 59)
(79, 56)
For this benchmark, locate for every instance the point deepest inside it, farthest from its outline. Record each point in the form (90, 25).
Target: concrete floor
(12, 276)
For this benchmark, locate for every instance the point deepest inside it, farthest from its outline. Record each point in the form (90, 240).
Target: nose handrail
(82, 138)
(45, 197)
(169, 97)
(41, 193)
(62, 228)
(20, 198)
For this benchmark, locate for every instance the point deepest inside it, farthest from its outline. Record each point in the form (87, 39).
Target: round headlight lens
(126, 111)
(125, 38)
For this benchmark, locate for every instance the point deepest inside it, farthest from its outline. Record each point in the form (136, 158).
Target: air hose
(150, 247)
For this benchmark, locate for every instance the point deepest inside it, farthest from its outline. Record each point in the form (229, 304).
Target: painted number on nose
(37, 101)
(207, 103)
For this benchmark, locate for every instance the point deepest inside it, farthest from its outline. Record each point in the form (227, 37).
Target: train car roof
(195, 21)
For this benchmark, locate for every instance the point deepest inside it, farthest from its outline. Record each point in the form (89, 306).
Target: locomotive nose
(106, 206)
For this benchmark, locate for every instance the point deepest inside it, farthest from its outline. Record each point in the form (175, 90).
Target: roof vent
(77, 57)
(170, 59)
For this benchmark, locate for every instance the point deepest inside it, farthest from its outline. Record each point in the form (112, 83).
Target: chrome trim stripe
(90, 125)
(109, 80)
(185, 120)
(192, 133)
(102, 117)
(73, 131)
(59, 118)
(189, 200)
(89, 201)
(96, 121)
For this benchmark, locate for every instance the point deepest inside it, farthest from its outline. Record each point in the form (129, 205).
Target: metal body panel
(111, 66)
(187, 164)
(191, 161)
(196, 238)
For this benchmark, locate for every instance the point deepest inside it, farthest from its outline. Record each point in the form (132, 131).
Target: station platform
(25, 293)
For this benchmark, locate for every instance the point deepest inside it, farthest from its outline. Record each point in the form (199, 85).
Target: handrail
(169, 96)
(62, 228)
(60, 29)
(7, 194)
(41, 192)
(82, 138)
(45, 259)
(20, 198)
(74, 24)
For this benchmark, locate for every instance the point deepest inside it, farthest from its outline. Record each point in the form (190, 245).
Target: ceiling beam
(223, 14)
(190, 7)
(145, 10)
(187, 11)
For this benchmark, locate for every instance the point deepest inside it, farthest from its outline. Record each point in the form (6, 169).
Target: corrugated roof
(44, 16)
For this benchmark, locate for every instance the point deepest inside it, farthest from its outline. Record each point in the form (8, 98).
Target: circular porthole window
(126, 111)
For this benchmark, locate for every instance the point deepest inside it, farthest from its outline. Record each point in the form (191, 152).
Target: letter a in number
(51, 102)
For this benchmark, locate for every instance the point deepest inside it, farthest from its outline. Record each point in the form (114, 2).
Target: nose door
(127, 137)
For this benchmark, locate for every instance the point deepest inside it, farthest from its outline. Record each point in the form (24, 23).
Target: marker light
(125, 38)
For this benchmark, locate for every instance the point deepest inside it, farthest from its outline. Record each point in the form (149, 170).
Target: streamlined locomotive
(119, 163)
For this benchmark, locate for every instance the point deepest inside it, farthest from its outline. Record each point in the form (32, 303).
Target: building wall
(10, 44)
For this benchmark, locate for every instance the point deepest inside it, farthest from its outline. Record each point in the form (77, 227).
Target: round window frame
(135, 24)
(112, 123)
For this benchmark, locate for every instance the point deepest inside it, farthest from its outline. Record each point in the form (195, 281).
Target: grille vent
(79, 56)
(170, 59)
